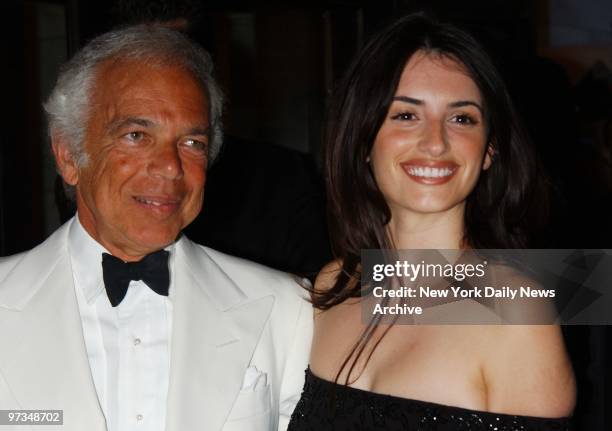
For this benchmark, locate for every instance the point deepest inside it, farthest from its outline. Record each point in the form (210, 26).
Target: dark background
(277, 63)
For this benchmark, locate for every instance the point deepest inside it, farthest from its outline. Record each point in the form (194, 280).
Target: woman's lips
(430, 172)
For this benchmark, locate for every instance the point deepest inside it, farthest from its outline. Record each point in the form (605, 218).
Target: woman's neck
(444, 230)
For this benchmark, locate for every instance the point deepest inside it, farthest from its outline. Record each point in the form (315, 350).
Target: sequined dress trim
(327, 406)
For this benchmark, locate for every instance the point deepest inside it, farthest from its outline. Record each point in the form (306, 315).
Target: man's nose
(434, 141)
(166, 162)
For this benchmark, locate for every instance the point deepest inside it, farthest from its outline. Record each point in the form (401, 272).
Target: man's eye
(195, 145)
(404, 116)
(134, 136)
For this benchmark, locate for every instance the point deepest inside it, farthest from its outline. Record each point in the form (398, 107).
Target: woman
(425, 152)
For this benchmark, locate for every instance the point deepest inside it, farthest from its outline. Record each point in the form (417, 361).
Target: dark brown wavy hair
(496, 209)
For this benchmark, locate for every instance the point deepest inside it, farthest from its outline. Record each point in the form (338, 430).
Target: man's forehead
(129, 88)
(141, 75)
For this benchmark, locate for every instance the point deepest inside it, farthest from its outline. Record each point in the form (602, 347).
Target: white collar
(86, 258)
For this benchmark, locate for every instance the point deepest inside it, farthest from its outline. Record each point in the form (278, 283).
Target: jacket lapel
(215, 331)
(44, 359)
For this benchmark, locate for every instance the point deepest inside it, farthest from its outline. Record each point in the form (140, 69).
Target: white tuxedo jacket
(231, 318)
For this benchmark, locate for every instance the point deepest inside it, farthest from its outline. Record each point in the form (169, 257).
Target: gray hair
(68, 105)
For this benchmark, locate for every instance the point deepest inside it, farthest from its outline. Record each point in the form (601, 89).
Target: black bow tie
(152, 269)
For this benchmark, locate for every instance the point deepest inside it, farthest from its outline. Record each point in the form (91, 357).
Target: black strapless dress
(327, 406)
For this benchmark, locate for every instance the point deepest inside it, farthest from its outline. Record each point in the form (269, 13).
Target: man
(117, 319)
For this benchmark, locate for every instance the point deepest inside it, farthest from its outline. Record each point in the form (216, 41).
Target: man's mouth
(161, 202)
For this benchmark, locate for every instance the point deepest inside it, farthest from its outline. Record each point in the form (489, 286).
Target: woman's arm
(527, 372)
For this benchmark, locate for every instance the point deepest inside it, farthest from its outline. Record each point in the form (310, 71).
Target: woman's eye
(464, 119)
(404, 116)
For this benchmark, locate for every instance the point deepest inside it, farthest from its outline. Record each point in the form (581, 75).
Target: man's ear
(488, 160)
(66, 165)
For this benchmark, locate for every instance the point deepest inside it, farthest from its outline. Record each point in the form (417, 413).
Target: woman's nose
(434, 141)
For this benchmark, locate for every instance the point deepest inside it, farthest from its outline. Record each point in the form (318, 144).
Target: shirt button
(139, 418)
(136, 341)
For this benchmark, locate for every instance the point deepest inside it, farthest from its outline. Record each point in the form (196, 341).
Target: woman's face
(431, 147)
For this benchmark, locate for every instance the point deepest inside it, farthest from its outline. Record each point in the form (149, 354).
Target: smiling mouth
(163, 203)
(428, 172)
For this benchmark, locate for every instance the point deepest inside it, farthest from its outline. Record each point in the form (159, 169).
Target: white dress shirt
(128, 346)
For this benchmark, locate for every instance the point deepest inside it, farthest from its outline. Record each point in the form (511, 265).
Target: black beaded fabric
(327, 406)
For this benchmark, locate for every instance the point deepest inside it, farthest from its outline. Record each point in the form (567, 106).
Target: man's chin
(152, 245)
(150, 241)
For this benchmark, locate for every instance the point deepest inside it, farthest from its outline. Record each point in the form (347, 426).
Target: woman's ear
(66, 165)
(489, 156)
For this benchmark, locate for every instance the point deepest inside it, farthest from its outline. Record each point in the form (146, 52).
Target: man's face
(146, 143)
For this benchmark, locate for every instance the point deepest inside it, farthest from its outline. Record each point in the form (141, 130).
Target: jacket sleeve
(297, 361)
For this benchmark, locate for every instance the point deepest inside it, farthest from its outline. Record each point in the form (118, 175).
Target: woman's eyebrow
(460, 103)
(410, 100)
(419, 102)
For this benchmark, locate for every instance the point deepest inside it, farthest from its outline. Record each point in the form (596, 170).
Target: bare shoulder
(527, 371)
(326, 278)
(336, 329)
